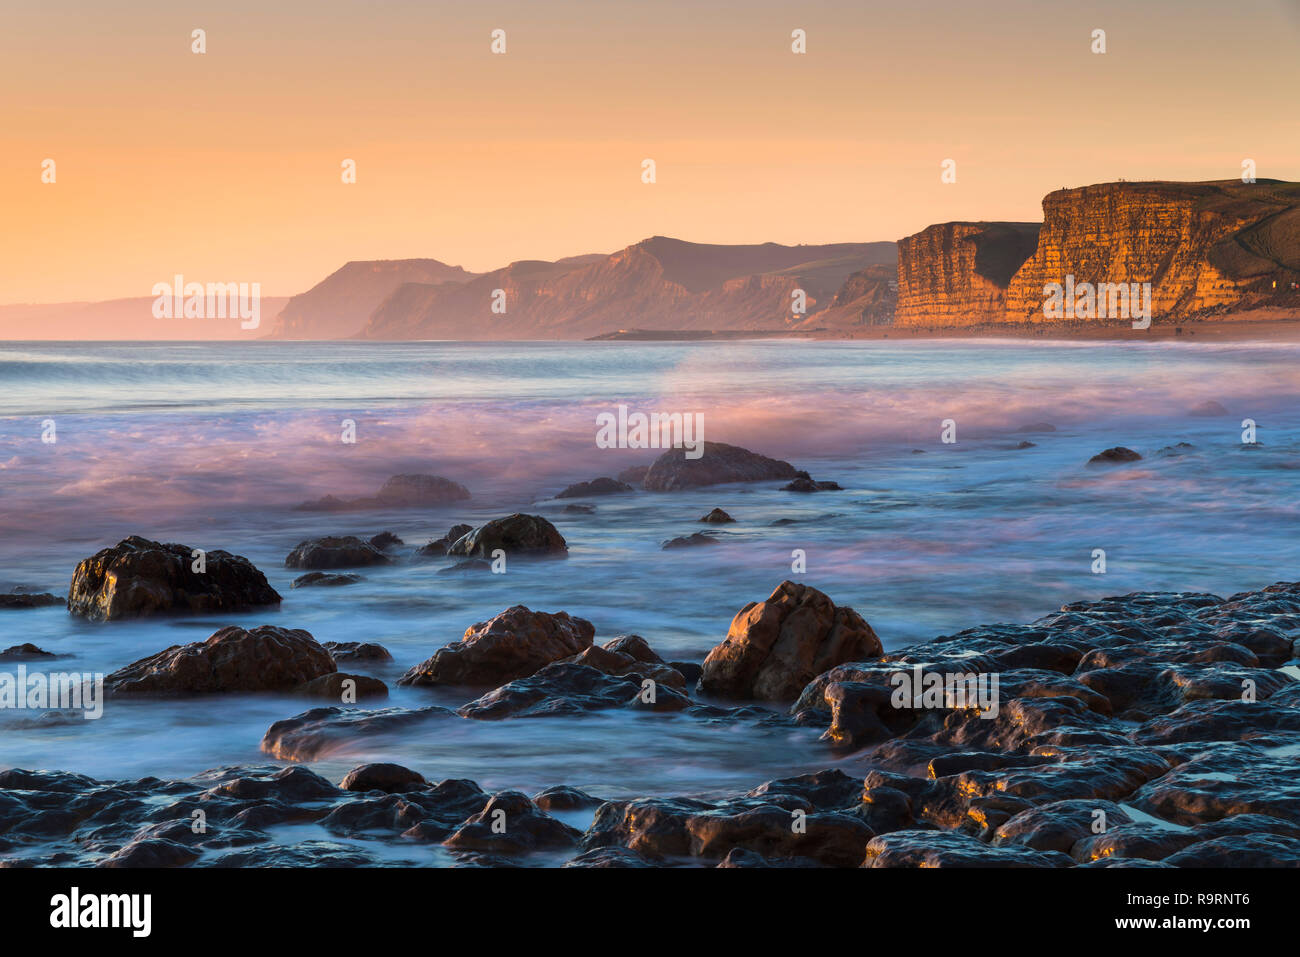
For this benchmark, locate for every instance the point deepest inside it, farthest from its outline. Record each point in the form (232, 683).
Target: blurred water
(212, 445)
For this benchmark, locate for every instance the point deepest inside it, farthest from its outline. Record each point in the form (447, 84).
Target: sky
(226, 166)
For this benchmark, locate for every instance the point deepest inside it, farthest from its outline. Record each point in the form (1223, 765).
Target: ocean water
(213, 444)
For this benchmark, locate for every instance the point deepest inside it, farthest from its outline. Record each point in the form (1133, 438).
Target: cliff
(957, 274)
(1205, 248)
(338, 305)
(657, 284)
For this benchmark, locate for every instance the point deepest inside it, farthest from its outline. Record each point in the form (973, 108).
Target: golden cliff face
(956, 274)
(1207, 248)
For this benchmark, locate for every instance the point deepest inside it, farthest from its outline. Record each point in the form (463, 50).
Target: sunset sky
(226, 166)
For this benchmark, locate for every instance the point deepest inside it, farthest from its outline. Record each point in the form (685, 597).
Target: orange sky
(226, 166)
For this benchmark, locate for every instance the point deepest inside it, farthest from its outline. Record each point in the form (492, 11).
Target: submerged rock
(776, 647)
(336, 551)
(439, 546)
(29, 600)
(690, 541)
(345, 688)
(323, 579)
(139, 577)
(599, 486)
(400, 491)
(265, 658)
(513, 644)
(1114, 456)
(719, 464)
(717, 517)
(805, 483)
(516, 534)
(356, 651)
(25, 652)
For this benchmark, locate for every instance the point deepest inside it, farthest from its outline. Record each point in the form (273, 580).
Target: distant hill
(657, 284)
(339, 305)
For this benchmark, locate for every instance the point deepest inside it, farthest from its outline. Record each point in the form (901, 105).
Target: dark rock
(511, 824)
(776, 647)
(514, 644)
(341, 687)
(635, 647)
(719, 464)
(1114, 456)
(610, 857)
(1207, 409)
(29, 600)
(138, 577)
(717, 517)
(389, 778)
(412, 490)
(385, 540)
(690, 670)
(516, 534)
(25, 652)
(356, 651)
(325, 579)
(334, 552)
(316, 733)
(564, 798)
(688, 541)
(600, 486)
(439, 546)
(265, 658)
(562, 689)
(952, 849)
(804, 482)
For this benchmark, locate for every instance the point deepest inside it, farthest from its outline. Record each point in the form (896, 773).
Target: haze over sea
(212, 445)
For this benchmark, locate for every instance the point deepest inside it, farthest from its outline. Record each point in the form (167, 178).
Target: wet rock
(635, 647)
(564, 798)
(324, 579)
(741, 857)
(564, 689)
(294, 785)
(1181, 448)
(265, 658)
(824, 790)
(511, 824)
(610, 857)
(655, 827)
(1224, 780)
(29, 600)
(1114, 456)
(600, 486)
(689, 541)
(356, 651)
(717, 517)
(138, 577)
(389, 778)
(690, 670)
(1060, 825)
(719, 464)
(804, 482)
(617, 663)
(1252, 850)
(776, 647)
(345, 688)
(314, 734)
(334, 552)
(832, 838)
(25, 652)
(438, 547)
(155, 853)
(514, 644)
(952, 849)
(516, 534)
(385, 540)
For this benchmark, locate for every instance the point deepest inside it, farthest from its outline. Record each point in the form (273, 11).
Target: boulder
(29, 600)
(323, 580)
(385, 540)
(357, 651)
(139, 577)
(690, 541)
(514, 644)
(341, 551)
(719, 464)
(266, 658)
(776, 647)
(599, 486)
(717, 517)
(439, 546)
(346, 688)
(389, 778)
(1114, 456)
(515, 535)
(415, 490)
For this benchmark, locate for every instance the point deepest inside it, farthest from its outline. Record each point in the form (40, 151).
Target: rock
(511, 824)
(356, 651)
(689, 541)
(1114, 456)
(266, 658)
(419, 490)
(952, 849)
(617, 663)
(564, 798)
(313, 734)
(776, 647)
(1251, 850)
(719, 464)
(1207, 409)
(324, 579)
(635, 647)
(334, 552)
(439, 547)
(151, 854)
(139, 577)
(690, 670)
(514, 644)
(562, 688)
(717, 517)
(516, 534)
(634, 475)
(345, 688)
(385, 540)
(610, 857)
(468, 565)
(600, 486)
(389, 778)
(1026, 445)
(25, 652)
(574, 509)
(1180, 448)
(29, 600)
(804, 483)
